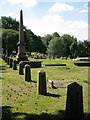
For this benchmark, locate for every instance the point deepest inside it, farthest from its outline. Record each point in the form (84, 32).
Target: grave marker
(27, 73)
(74, 103)
(41, 83)
(14, 65)
(21, 68)
(10, 62)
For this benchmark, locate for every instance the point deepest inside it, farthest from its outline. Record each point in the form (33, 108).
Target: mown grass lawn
(20, 98)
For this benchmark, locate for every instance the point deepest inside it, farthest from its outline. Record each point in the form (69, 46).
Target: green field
(20, 98)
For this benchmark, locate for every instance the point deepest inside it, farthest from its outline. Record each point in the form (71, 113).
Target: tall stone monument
(21, 56)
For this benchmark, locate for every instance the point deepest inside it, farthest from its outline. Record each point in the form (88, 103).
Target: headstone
(14, 65)
(5, 58)
(41, 83)
(27, 73)
(21, 56)
(74, 103)
(10, 62)
(21, 68)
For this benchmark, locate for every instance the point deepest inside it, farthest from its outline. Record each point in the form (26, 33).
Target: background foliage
(53, 45)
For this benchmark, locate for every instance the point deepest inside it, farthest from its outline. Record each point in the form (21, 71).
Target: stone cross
(74, 103)
(41, 83)
(21, 56)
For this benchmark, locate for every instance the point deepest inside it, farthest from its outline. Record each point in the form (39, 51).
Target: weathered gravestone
(41, 83)
(14, 65)
(21, 68)
(74, 103)
(27, 73)
(5, 58)
(10, 62)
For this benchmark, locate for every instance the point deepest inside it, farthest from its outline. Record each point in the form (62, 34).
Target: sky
(49, 16)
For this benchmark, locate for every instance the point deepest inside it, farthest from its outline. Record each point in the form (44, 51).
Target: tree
(67, 41)
(55, 34)
(33, 42)
(10, 23)
(46, 39)
(9, 40)
(73, 49)
(55, 47)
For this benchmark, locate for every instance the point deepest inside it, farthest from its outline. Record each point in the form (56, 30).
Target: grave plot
(54, 64)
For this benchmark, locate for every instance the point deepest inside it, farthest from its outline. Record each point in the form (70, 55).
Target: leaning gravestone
(10, 62)
(21, 68)
(27, 73)
(74, 103)
(14, 65)
(41, 83)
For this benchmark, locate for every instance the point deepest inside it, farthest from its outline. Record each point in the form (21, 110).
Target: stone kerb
(21, 68)
(27, 73)
(14, 65)
(41, 83)
(74, 102)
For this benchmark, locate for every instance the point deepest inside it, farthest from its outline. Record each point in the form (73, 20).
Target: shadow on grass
(52, 95)
(8, 115)
(2, 67)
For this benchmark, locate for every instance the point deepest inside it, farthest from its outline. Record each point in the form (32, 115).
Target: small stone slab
(55, 64)
(50, 83)
(82, 63)
(33, 64)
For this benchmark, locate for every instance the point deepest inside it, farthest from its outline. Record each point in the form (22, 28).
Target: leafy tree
(55, 47)
(55, 34)
(67, 41)
(10, 23)
(73, 49)
(33, 42)
(80, 49)
(86, 44)
(9, 40)
(46, 39)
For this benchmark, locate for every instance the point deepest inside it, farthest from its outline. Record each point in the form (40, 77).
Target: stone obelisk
(21, 56)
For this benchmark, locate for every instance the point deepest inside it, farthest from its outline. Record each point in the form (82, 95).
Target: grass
(20, 98)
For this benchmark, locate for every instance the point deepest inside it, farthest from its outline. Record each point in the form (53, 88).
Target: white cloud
(86, 6)
(50, 24)
(83, 11)
(26, 3)
(60, 7)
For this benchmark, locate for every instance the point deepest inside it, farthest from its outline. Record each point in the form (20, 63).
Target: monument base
(21, 57)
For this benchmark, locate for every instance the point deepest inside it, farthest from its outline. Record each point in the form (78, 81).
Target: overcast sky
(46, 17)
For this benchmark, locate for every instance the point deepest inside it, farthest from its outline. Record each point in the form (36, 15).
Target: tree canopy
(51, 44)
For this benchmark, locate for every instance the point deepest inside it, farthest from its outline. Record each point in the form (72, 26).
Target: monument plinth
(21, 56)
